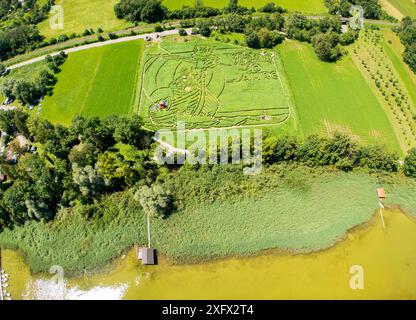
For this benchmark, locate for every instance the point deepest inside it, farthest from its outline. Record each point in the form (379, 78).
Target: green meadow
(96, 82)
(80, 15)
(332, 97)
(406, 7)
(304, 6)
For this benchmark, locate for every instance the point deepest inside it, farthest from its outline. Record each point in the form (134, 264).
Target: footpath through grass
(220, 213)
(332, 97)
(96, 82)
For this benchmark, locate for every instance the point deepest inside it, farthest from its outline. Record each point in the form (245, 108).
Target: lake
(387, 260)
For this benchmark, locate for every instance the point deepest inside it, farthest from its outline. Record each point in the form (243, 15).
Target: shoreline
(109, 267)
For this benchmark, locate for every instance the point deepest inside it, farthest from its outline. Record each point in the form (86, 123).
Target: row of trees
(407, 34)
(30, 92)
(154, 11)
(338, 151)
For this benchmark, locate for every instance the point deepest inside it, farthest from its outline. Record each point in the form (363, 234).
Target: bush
(159, 28)
(252, 40)
(271, 8)
(182, 32)
(112, 36)
(63, 38)
(326, 46)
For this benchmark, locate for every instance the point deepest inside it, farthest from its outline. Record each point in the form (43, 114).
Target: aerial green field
(405, 7)
(96, 82)
(334, 97)
(80, 15)
(212, 84)
(304, 6)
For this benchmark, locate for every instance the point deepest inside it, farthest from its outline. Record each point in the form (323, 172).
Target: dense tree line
(338, 151)
(93, 157)
(407, 34)
(154, 11)
(30, 92)
(372, 8)
(77, 164)
(260, 32)
(324, 34)
(268, 30)
(18, 25)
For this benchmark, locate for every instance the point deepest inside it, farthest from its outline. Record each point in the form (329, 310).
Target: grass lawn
(404, 7)
(212, 84)
(223, 214)
(305, 6)
(96, 82)
(333, 97)
(80, 15)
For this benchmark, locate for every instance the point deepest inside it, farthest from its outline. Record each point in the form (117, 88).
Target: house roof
(381, 193)
(148, 255)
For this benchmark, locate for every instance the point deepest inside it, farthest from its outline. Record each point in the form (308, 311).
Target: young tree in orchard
(154, 200)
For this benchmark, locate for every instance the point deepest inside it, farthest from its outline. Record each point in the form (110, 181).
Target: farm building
(147, 255)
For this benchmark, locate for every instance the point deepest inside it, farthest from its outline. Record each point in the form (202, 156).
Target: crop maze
(211, 84)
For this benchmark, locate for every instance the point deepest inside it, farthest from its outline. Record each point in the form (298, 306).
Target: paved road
(100, 44)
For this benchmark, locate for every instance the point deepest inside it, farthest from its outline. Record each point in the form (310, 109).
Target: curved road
(152, 35)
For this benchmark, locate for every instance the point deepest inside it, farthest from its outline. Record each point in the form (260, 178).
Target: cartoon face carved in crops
(189, 85)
